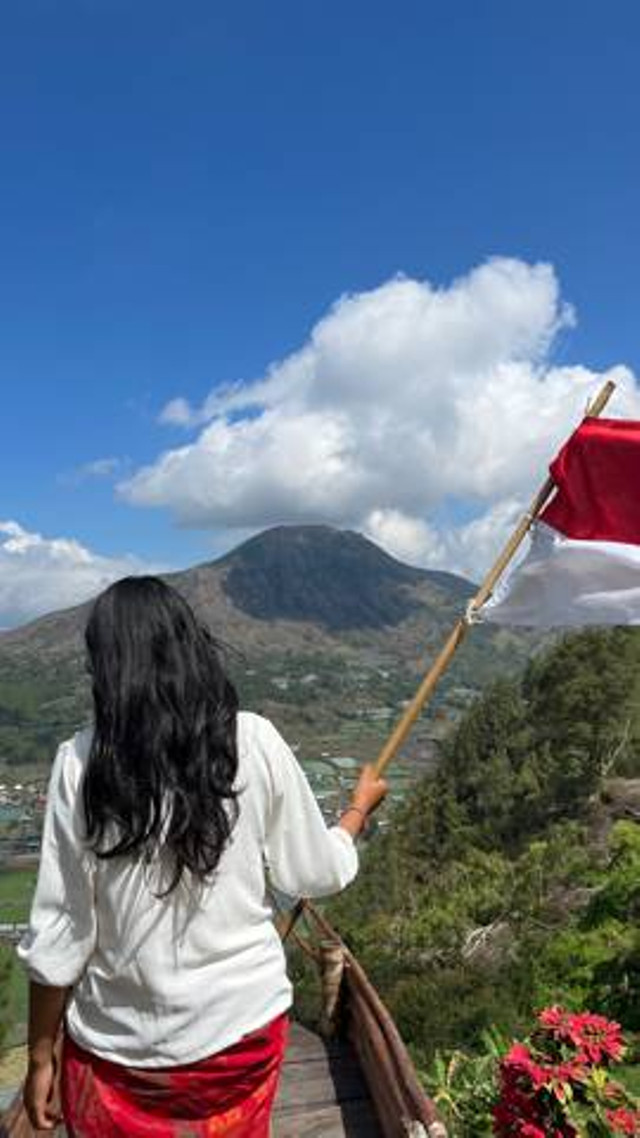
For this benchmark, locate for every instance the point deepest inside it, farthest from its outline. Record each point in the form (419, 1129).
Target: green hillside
(511, 879)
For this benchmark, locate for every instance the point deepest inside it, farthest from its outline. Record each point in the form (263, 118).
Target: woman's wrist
(41, 1053)
(358, 810)
(353, 820)
(46, 1010)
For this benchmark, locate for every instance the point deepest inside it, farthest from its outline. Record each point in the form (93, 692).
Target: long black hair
(163, 759)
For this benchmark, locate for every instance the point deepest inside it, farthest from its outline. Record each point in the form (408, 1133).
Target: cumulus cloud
(39, 574)
(465, 548)
(403, 397)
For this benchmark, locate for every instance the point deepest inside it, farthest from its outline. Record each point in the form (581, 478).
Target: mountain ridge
(341, 546)
(289, 603)
(337, 578)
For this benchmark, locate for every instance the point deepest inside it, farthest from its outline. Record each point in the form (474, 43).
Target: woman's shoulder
(257, 730)
(254, 730)
(73, 753)
(81, 741)
(260, 745)
(68, 766)
(78, 746)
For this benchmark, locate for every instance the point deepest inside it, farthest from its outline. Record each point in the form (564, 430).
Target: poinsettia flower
(521, 1058)
(567, 1058)
(623, 1121)
(554, 1018)
(595, 1037)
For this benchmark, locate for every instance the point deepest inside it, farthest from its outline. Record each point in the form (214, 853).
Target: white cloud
(98, 468)
(402, 398)
(466, 548)
(410, 539)
(39, 574)
(178, 413)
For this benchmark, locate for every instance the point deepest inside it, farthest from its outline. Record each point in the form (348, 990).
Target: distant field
(16, 891)
(18, 1009)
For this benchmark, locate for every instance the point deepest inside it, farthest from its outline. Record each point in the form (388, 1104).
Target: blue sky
(188, 189)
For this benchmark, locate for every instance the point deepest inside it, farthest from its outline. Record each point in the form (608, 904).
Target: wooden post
(331, 972)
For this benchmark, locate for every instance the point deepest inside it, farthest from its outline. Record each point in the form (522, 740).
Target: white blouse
(165, 981)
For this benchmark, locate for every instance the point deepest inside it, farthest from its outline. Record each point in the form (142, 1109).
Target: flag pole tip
(596, 406)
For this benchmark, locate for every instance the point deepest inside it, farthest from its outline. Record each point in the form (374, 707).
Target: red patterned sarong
(227, 1095)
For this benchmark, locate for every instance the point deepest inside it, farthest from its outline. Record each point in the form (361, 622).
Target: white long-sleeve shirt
(164, 981)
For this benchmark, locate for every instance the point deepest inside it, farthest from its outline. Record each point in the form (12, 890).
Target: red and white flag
(583, 564)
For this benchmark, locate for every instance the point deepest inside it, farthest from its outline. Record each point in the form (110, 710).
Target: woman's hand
(367, 795)
(369, 790)
(46, 1008)
(41, 1095)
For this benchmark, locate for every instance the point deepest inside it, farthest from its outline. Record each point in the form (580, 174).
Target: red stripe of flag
(597, 475)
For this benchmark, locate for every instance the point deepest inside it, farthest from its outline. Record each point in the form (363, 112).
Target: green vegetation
(14, 1000)
(16, 890)
(507, 882)
(324, 700)
(40, 704)
(7, 993)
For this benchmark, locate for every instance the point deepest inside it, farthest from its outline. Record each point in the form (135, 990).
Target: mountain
(293, 602)
(337, 579)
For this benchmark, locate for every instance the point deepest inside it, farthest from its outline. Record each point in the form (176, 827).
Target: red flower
(623, 1121)
(520, 1059)
(554, 1018)
(594, 1037)
(537, 1078)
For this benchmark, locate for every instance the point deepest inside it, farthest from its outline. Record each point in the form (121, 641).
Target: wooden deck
(322, 1092)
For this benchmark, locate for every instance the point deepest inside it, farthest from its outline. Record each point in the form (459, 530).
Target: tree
(581, 695)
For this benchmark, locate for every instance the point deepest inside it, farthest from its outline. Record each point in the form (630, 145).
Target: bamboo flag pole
(459, 630)
(441, 663)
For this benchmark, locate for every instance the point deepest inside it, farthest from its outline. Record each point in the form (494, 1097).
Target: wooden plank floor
(322, 1093)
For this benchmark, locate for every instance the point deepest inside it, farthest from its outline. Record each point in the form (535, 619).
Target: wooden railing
(403, 1107)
